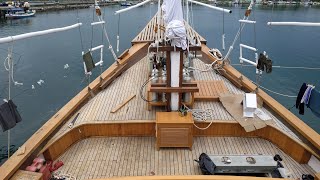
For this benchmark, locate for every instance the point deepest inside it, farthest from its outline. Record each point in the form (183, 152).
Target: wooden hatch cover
(210, 90)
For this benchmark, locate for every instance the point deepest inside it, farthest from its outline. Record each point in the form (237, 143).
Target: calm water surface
(44, 57)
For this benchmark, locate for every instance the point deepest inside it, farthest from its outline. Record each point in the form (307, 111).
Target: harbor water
(44, 58)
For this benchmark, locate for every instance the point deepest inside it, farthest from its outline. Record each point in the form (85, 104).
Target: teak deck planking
(210, 90)
(114, 156)
(98, 109)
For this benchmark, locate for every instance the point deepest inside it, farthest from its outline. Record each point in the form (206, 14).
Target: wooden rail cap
(174, 89)
(121, 56)
(191, 177)
(190, 84)
(171, 48)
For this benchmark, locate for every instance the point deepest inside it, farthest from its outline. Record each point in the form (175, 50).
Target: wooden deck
(137, 156)
(148, 34)
(210, 90)
(99, 108)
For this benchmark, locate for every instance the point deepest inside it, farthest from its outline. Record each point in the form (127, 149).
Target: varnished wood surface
(189, 177)
(97, 110)
(210, 90)
(294, 148)
(122, 104)
(184, 84)
(137, 156)
(173, 117)
(174, 130)
(174, 89)
(288, 116)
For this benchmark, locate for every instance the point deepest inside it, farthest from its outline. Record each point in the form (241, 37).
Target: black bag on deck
(206, 165)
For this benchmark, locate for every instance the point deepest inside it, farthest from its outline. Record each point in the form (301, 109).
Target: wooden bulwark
(194, 177)
(298, 151)
(210, 90)
(103, 157)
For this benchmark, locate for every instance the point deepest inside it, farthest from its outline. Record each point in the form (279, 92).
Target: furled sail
(173, 18)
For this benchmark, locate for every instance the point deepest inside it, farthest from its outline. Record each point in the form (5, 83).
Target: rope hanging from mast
(118, 35)
(223, 33)
(246, 17)
(98, 13)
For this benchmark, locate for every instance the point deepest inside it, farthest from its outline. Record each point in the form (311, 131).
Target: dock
(56, 6)
(3, 11)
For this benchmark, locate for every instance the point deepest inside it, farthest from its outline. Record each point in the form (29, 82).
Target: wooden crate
(174, 130)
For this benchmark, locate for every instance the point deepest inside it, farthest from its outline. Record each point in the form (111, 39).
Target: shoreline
(68, 6)
(47, 6)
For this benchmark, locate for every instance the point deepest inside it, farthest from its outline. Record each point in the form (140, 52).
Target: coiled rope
(201, 115)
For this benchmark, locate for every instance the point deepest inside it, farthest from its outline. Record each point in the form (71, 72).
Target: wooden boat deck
(148, 34)
(137, 156)
(99, 108)
(210, 90)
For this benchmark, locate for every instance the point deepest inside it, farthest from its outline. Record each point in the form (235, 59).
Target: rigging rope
(107, 37)
(141, 90)
(280, 94)
(82, 47)
(191, 21)
(93, 14)
(223, 33)
(208, 67)
(118, 35)
(284, 67)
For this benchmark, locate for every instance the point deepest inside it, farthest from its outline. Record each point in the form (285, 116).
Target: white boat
(20, 14)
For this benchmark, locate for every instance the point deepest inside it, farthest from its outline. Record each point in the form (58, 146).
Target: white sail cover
(173, 18)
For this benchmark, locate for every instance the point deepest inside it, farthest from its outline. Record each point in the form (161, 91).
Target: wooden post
(168, 65)
(180, 77)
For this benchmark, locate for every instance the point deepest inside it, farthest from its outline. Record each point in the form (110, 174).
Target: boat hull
(21, 16)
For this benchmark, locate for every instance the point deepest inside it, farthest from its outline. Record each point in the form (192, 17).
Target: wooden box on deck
(173, 130)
